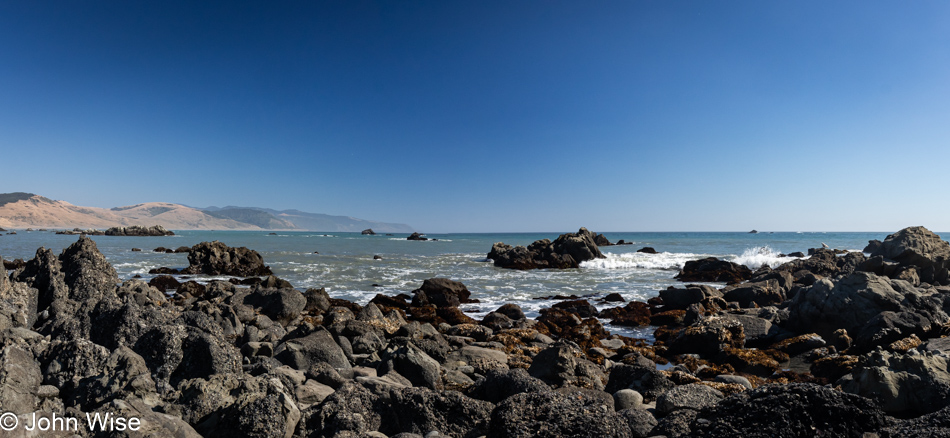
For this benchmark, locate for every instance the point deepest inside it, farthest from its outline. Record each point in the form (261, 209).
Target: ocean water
(343, 262)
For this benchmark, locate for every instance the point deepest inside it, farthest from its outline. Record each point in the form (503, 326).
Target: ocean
(344, 263)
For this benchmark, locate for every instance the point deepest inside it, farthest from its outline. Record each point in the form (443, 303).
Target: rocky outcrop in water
(137, 230)
(216, 258)
(567, 251)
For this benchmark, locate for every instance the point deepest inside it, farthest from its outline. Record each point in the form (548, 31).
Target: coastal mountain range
(27, 210)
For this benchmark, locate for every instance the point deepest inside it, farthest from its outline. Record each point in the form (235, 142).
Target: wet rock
(216, 258)
(713, 269)
(567, 251)
(368, 231)
(549, 414)
(634, 314)
(794, 410)
(417, 236)
(647, 250)
(512, 311)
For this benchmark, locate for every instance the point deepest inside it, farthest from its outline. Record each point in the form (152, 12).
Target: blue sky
(489, 116)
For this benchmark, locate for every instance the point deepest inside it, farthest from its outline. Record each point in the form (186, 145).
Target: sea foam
(760, 256)
(632, 260)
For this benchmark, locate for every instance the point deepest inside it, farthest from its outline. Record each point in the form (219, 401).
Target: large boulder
(352, 408)
(713, 269)
(902, 383)
(498, 385)
(919, 247)
(216, 258)
(86, 271)
(319, 346)
(567, 251)
(44, 273)
(693, 396)
(795, 410)
(281, 305)
(420, 410)
(441, 292)
(551, 414)
(877, 308)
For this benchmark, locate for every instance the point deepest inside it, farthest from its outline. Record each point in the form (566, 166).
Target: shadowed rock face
(216, 258)
(567, 251)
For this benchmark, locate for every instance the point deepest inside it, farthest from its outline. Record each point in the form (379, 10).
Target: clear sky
(489, 115)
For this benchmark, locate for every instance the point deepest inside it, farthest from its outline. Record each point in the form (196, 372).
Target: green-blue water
(346, 268)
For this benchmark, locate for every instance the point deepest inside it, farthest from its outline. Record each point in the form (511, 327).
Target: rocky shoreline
(829, 345)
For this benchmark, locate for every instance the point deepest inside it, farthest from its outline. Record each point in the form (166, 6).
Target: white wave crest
(632, 260)
(761, 256)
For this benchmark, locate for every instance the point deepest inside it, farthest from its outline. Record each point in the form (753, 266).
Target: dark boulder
(600, 240)
(368, 231)
(420, 410)
(794, 410)
(497, 385)
(319, 346)
(713, 269)
(441, 292)
(417, 236)
(647, 250)
(550, 414)
(164, 283)
(216, 258)
(281, 305)
(581, 308)
(646, 380)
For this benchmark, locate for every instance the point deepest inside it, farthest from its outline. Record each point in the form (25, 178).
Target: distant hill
(316, 221)
(27, 210)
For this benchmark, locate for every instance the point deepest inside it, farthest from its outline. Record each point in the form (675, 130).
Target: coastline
(417, 363)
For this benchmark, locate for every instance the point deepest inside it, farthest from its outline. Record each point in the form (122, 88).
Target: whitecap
(759, 256)
(631, 260)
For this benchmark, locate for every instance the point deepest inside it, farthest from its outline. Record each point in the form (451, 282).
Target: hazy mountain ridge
(319, 222)
(27, 210)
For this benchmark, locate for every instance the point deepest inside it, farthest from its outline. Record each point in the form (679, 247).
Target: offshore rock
(138, 230)
(567, 251)
(368, 231)
(713, 269)
(216, 258)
